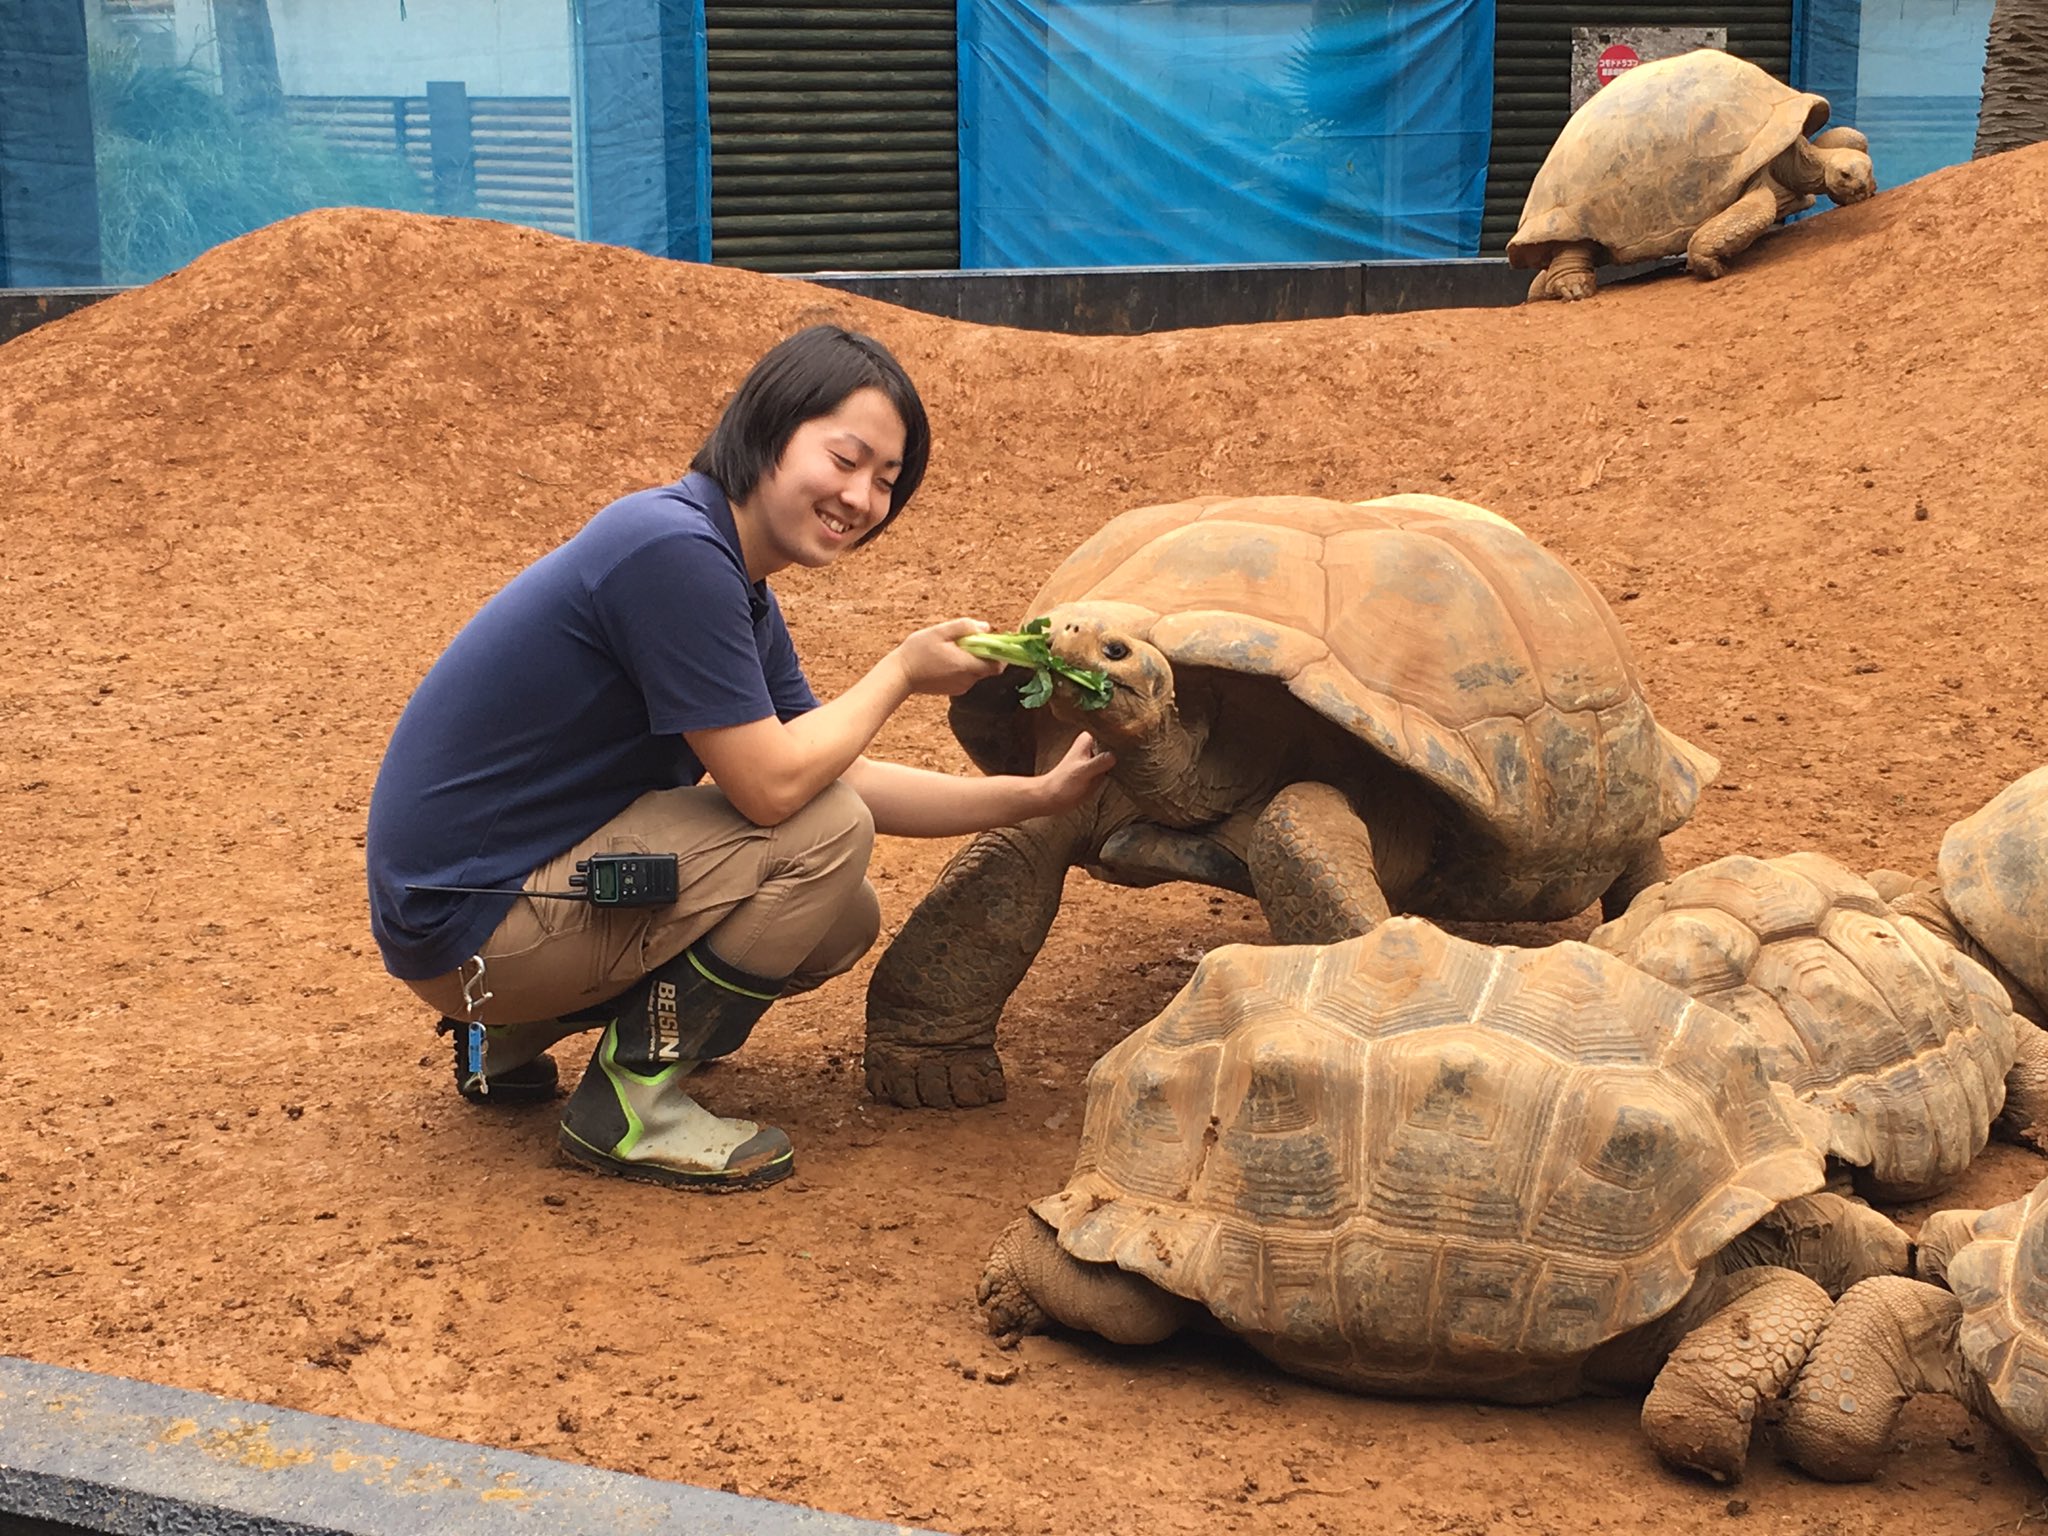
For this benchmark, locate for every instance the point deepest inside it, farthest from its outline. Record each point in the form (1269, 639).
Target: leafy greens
(1028, 647)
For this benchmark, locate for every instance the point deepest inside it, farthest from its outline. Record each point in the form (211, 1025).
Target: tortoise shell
(2001, 1279)
(1435, 632)
(1994, 877)
(1654, 155)
(1411, 1163)
(1899, 1039)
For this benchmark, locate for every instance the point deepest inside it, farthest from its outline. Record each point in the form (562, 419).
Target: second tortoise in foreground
(1416, 1165)
(1701, 153)
(1903, 1044)
(1343, 709)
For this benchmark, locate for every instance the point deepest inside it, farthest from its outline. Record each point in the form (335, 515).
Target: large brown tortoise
(1901, 1042)
(1415, 1165)
(1344, 709)
(1701, 153)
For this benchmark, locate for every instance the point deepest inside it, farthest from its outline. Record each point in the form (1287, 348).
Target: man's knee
(835, 832)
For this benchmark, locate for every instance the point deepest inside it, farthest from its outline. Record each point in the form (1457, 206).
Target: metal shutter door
(1532, 93)
(834, 135)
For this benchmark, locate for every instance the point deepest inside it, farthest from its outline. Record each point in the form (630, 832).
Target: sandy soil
(242, 509)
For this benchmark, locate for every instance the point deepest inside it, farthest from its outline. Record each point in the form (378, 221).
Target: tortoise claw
(934, 1077)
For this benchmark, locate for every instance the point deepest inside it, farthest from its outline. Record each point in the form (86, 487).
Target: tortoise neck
(1161, 771)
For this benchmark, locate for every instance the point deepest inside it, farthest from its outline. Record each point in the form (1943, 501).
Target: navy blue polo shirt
(560, 704)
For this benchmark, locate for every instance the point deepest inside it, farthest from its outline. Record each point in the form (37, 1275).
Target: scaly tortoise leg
(1705, 1401)
(1646, 869)
(1031, 1283)
(940, 987)
(1888, 1339)
(1729, 233)
(1569, 275)
(1312, 867)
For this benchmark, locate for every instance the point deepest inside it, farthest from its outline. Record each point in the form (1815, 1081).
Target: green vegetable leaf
(1036, 690)
(1029, 648)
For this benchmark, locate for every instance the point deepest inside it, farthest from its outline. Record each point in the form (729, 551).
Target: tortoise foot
(1707, 267)
(1572, 286)
(934, 1077)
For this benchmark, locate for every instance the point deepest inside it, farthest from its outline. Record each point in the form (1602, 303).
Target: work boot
(629, 1116)
(506, 1063)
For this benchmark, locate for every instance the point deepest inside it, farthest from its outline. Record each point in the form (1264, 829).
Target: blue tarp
(1909, 73)
(1109, 133)
(1092, 132)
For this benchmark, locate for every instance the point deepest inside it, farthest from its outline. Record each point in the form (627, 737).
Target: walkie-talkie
(603, 880)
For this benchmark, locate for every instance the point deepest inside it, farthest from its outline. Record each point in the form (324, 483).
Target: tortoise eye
(1115, 650)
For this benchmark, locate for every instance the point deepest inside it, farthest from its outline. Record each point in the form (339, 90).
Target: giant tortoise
(1415, 1165)
(1901, 1042)
(1341, 708)
(1700, 153)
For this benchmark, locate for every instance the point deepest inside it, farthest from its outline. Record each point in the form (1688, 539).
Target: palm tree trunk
(249, 78)
(2015, 110)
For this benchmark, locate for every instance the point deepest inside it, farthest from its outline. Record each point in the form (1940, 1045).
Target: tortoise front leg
(1727, 235)
(1887, 1339)
(1646, 869)
(940, 987)
(1705, 1401)
(1312, 865)
(1568, 276)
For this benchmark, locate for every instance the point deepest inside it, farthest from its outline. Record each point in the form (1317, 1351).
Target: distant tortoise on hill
(1989, 898)
(1983, 1341)
(1701, 153)
(1342, 709)
(1415, 1165)
(1902, 1043)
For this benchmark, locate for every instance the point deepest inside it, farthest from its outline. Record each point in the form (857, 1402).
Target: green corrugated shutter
(1532, 89)
(834, 135)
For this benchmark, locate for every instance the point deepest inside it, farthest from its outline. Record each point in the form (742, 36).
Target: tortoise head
(1847, 168)
(1141, 678)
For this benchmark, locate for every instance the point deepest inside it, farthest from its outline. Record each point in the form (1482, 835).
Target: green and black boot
(629, 1116)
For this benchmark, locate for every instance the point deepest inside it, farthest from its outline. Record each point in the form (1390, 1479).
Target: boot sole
(513, 1095)
(719, 1183)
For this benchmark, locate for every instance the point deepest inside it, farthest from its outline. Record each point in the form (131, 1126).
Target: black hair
(800, 378)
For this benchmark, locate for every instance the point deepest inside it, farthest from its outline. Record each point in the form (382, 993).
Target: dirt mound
(243, 509)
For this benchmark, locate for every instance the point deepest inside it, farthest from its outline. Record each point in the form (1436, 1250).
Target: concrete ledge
(1103, 301)
(1125, 301)
(23, 309)
(84, 1453)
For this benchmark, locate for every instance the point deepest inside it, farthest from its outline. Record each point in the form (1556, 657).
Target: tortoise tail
(1687, 770)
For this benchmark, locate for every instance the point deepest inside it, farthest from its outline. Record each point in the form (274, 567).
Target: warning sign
(1602, 55)
(1618, 57)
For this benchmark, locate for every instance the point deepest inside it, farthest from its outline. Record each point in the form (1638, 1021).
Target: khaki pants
(786, 901)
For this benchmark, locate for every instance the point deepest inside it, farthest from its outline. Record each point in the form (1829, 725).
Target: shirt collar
(701, 491)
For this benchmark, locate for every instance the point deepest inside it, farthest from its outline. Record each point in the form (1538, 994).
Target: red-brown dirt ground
(241, 510)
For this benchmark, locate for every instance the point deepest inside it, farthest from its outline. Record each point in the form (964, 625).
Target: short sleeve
(787, 685)
(678, 613)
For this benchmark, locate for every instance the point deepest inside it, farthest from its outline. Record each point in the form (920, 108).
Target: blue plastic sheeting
(1107, 133)
(134, 138)
(1909, 73)
(644, 146)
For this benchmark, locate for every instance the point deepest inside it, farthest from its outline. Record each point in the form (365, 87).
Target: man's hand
(931, 662)
(1073, 778)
